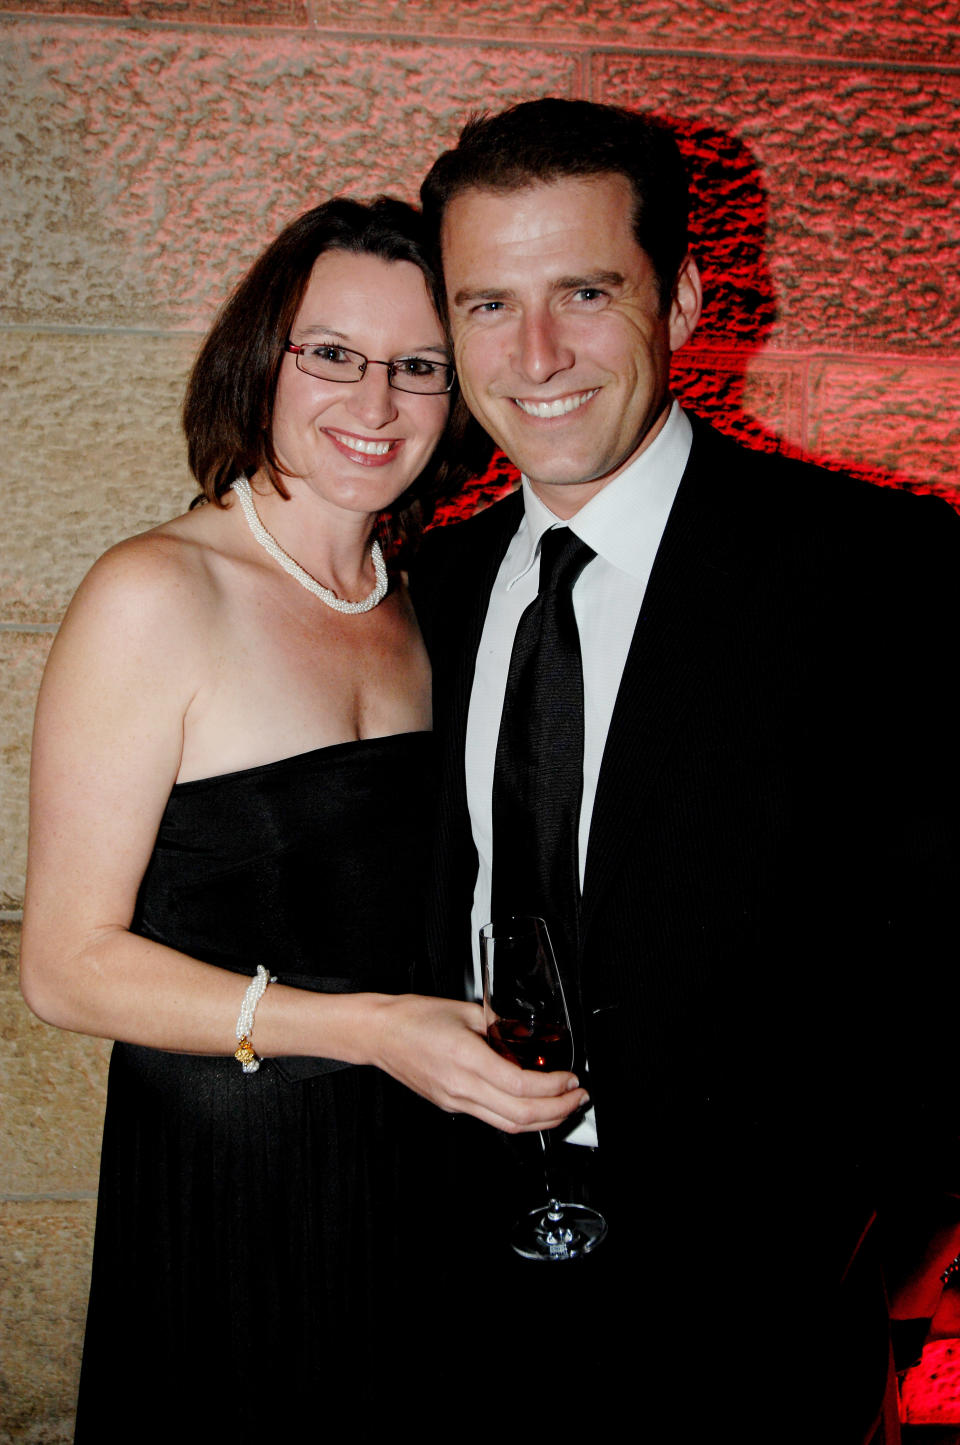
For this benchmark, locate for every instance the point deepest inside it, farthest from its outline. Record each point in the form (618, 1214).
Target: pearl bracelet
(256, 988)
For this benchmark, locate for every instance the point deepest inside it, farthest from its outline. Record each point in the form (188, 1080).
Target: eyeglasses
(408, 373)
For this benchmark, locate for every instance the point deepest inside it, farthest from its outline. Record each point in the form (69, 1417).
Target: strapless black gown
(253, 1231)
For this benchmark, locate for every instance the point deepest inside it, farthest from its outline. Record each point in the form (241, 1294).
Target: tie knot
(563, 557)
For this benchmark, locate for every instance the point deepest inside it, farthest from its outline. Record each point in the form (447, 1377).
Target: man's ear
(687, 303)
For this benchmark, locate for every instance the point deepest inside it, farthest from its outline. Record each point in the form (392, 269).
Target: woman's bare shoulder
(153, 590)
(173, 566)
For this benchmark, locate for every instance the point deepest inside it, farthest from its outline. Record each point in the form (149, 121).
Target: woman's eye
(328, 353)
(416, 366)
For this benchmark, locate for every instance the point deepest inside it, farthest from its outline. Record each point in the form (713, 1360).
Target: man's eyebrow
(562, 283)
(483, 293)
(593, 279)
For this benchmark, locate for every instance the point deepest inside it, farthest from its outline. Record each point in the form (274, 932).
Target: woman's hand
(436, 1047)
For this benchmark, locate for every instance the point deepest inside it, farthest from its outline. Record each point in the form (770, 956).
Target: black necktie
(538, 775)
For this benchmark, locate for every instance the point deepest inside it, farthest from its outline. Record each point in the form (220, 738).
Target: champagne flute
(527, 1022)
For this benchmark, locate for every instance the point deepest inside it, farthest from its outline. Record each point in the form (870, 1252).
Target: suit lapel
(454, 607)
(476, 570)
(696, 579)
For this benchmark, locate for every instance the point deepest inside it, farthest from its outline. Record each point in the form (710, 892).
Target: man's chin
(569, 473)
(556, 466)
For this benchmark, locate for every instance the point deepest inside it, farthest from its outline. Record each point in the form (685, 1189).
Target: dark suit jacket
(772, 851)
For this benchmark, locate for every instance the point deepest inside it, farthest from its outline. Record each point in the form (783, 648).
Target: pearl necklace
(270, 544)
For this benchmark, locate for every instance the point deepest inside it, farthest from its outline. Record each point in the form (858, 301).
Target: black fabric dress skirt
(254, 1235)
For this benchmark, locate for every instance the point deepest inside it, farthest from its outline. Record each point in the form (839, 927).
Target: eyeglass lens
(407, 373)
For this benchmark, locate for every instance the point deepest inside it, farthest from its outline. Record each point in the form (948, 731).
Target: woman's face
(359, 445)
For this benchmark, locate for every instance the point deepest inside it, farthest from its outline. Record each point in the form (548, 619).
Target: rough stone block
(149, 166)
(45, 1251)
(903, 418)
(9, 952)
(196, 12)
(850, 171)
(931, 1390)
(51, 1096)
(102, 9)
(756, 399)
(22, 656)
(93, 453)
(221, 12)
(883, 28)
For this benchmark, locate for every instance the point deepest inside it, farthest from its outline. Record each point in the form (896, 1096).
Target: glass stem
(547, 1146)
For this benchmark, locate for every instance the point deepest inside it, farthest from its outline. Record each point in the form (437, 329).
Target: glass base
(558, 1231)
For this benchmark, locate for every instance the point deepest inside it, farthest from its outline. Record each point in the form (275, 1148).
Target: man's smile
(559, 407)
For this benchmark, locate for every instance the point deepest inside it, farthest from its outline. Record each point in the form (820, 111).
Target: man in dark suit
(763, 841)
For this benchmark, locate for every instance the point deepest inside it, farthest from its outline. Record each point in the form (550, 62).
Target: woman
(230, 767)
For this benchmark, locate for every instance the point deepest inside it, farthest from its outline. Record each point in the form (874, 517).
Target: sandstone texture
(52, 1096)
(45, 1250)
(93, 450)
(853, 181)
(149, 167)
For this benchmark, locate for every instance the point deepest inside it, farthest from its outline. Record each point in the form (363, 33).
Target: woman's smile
(365, 451)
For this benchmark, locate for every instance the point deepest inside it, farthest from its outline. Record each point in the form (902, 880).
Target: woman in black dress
(231, 777)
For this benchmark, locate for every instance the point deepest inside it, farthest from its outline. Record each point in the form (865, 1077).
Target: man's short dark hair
(541, 141)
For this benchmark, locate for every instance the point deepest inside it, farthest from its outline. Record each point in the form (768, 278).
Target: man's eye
(589, 293)
(487, 308)
(417, 366)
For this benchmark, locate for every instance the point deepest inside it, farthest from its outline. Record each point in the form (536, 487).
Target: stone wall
(151, 147)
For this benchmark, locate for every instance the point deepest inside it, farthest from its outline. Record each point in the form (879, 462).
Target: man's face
(561, 347)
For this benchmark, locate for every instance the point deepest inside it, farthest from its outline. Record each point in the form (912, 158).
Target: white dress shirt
(624, 524)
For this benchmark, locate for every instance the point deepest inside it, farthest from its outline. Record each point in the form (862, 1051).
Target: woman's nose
(373, 399)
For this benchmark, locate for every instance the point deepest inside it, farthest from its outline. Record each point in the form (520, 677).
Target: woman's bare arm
(123, 675)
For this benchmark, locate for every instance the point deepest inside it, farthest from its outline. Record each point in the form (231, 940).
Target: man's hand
(437, 1048)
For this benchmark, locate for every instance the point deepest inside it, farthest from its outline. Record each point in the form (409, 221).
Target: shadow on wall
(728, 224)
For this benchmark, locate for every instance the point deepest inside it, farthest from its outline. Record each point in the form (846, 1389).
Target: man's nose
(542, 349)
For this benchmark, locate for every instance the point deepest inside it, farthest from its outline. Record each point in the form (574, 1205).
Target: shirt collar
(624, 522)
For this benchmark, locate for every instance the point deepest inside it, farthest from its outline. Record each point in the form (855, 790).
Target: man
(761, 844)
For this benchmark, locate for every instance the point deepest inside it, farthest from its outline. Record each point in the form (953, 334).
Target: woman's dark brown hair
(228, 408)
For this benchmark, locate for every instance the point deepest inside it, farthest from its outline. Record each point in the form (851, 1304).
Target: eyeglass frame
(298, 348)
